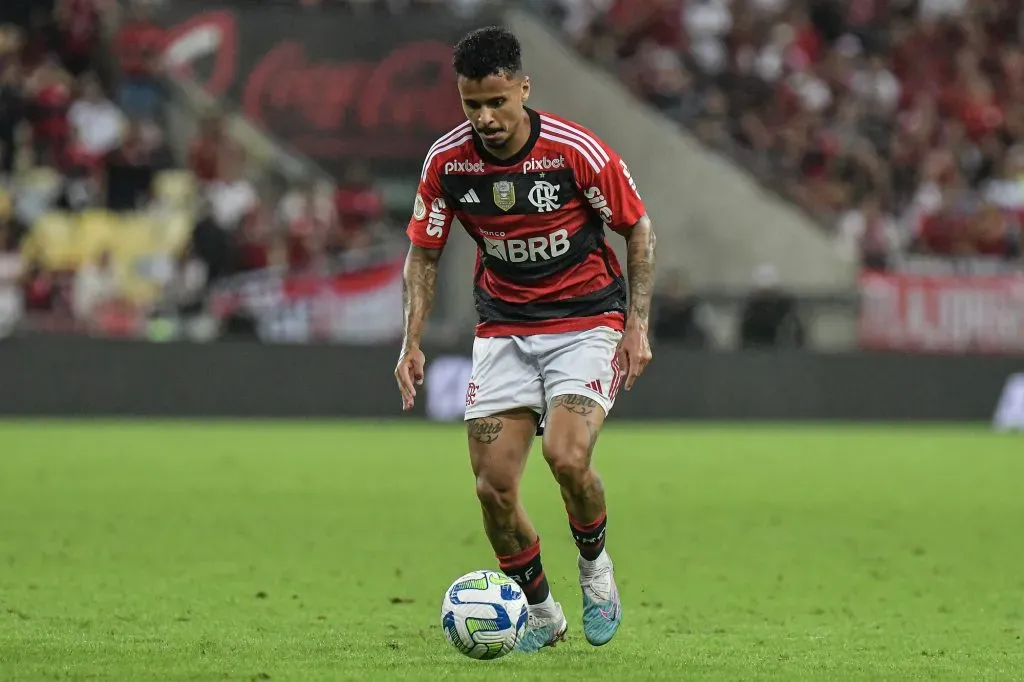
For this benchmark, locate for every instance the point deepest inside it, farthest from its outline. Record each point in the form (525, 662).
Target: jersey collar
(518, 156)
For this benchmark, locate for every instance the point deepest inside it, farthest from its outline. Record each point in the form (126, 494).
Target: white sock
(602, 560)
(546, 606)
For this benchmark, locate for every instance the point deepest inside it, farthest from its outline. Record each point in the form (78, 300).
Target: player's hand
(409, 374)
(634, 352)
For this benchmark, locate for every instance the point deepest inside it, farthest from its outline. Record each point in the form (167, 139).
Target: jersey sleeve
(607, 185)
(431, 213)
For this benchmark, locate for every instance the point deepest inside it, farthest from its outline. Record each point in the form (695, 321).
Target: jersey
(539, 219)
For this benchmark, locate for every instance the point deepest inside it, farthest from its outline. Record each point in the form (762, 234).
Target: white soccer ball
(483, 614)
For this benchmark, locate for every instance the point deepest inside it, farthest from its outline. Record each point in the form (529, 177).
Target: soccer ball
(483, 614)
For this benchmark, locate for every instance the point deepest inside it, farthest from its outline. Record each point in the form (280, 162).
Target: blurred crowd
(458, 7)
(898, 124)
(99, 226)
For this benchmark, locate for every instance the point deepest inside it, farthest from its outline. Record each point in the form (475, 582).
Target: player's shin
(585, 506)
(514, 540)
(568, 447)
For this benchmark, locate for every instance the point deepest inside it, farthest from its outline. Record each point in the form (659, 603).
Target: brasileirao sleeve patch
(419, 209)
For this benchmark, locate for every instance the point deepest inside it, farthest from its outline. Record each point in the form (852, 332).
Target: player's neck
(517, 142)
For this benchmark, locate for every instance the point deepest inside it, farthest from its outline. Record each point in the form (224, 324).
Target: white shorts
(512, 372)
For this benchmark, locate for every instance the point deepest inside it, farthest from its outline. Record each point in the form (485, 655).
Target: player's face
(494, 105)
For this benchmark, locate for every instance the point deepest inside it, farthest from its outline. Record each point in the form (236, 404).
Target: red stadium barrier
(943, 314)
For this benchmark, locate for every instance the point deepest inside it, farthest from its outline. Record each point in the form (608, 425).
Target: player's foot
(602, 611)
(546, 627)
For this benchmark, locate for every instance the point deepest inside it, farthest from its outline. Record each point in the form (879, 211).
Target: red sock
(589, 537)
(525, 568)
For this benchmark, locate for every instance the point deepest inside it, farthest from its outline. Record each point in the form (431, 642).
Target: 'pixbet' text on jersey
(539, 219)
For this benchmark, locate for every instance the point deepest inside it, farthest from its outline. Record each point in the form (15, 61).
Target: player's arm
(626, 214)
(428, 232)
(640, 242)
(635, 349)
(418, 287)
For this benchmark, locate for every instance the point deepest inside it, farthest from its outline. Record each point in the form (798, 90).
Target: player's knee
(495, 493)
(568, 457)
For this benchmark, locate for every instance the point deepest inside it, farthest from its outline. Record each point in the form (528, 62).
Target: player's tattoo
(506, 535)
(485, 430)
(419, 283)
(577, 404)
(640, 247)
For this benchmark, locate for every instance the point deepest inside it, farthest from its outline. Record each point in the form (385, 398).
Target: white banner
(364, 306)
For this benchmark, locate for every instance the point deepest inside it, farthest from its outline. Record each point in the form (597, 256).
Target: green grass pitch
(316, 551)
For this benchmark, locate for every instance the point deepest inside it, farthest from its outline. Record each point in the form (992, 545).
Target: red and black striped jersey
(538, 218)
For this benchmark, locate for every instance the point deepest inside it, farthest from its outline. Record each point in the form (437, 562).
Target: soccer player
(556, 336)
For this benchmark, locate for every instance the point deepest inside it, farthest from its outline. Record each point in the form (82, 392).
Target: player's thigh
(581, 379)
(504, 400)
(573, 423)
(503, 379)
(498, 448)
(581, 364)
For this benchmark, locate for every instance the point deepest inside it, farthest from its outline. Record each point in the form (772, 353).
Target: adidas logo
(470, 197)
(595, 386)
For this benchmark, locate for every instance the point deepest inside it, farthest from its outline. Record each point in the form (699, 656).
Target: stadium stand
(92, 197)
(898, 124)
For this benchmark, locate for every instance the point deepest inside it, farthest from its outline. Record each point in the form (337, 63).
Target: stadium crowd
(899, 124)
(91, 195)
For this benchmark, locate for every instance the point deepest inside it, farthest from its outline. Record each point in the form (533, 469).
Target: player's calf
(515, 542)
(573, 424)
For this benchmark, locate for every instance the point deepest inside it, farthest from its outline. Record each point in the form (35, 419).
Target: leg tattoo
(485, 430)
(577, 404)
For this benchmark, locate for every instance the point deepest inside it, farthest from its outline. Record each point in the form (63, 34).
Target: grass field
(187, 551)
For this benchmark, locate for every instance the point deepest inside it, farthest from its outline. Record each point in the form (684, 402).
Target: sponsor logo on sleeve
(436, 223)
(599, 204)
(629, 178)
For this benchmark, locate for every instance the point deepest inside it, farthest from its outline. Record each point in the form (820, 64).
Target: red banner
(332, 85)
(355, 307)
(934, 313)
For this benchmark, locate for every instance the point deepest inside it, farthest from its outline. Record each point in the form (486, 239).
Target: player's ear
(526, 88)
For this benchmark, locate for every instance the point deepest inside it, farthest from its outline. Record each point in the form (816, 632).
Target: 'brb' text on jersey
(539, 219)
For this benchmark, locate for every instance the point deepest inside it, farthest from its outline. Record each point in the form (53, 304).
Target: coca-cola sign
(949, 314)
(331, 85)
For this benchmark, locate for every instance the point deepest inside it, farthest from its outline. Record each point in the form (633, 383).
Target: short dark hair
(489, 51)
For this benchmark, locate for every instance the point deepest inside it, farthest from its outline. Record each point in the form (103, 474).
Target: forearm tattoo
(419, 282)
(640, 268)
(485, 430)
(577, 404)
